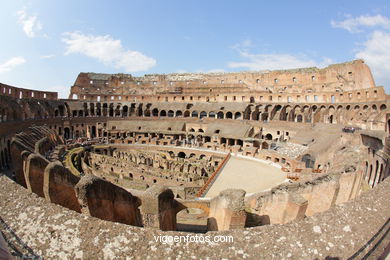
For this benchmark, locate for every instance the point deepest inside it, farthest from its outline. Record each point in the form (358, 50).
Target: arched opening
(237, 115)
(229, 115)
(220, 115)
(382, 174)
(125, 111)
(92, 108)
(111, 110)
(179, 113)
(388, 125)
(194, 114)
(93, 131)
(163, 113)
(375, 179)
(203, 114)
(66, 133)
(365, 170)
(299, 118)
(268, 137)
(252, 100)
(309, 160)
(181, 155)
(98, 110)
(171, 113)
(187, 113)
(155, 112)
(147, 113)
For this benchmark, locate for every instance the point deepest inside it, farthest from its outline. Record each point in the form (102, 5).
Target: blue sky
(46, 43)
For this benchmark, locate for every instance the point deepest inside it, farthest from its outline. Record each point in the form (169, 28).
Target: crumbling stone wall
(288, 202)
(58, 186)
(104, 200)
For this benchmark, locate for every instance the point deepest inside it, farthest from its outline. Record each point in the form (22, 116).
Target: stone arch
(308, 160)
(171, 113)
(229, 115)
(275, 111)
(125, 111)
(238, 115)
(181, 155)
(147, 113)
(194, 113)
(220, 115)
(155, 112)
(203, 114)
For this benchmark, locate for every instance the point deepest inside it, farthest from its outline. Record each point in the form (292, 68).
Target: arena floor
(251, 175)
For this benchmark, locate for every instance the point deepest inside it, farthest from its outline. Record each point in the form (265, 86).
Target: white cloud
(265, 61)
(30, 24)
(107, 50)
(355, 24)
(49, 56)
(376, 49)
(376, 53)
(11, 64)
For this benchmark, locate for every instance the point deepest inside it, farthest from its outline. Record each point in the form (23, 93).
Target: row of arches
(374, 173)
(333, 114)
(311, 113)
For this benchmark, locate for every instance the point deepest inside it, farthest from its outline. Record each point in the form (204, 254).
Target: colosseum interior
(290, 163)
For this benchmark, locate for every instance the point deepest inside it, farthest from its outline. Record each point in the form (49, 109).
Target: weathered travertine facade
(143, 151)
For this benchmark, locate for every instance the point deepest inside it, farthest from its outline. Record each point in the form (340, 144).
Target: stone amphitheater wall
(202, 87)
(352, 99)
(102, 199)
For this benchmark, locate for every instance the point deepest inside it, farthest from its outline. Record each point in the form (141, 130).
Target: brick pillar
(158, 208)
(227, 211)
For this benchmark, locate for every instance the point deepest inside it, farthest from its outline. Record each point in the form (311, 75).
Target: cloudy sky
(46, 43)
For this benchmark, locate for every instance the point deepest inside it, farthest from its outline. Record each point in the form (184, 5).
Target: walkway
(250, 175)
